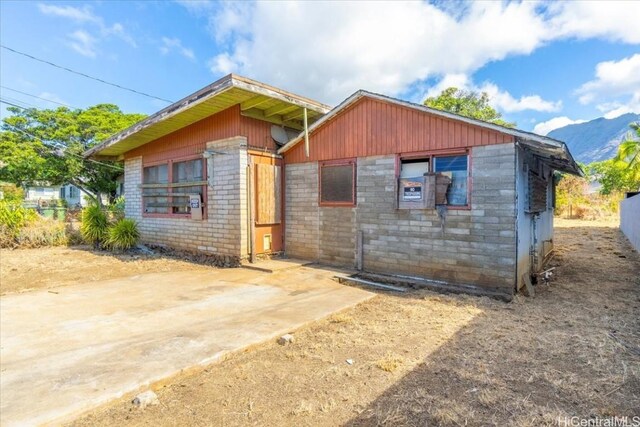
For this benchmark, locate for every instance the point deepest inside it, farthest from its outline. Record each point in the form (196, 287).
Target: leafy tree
(47, 145)
(469, 104)
(570, 192)
(629, 154)
(614, 176)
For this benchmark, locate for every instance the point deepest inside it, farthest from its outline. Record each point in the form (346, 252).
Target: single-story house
(44, 192)
(240, 169)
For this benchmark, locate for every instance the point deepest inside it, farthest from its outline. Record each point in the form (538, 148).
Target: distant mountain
(595, 140)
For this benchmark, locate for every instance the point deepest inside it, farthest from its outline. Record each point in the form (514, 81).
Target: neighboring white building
(42, 192)
(73, 195)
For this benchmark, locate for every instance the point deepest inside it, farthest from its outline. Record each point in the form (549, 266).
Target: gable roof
(256, 99)
(550, 150)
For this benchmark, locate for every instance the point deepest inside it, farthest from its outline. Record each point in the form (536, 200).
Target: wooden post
(306, 134)
(359, 249)
(251, 207)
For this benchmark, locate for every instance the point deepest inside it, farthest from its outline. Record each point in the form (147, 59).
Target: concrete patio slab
(67, 351)
(276, 264)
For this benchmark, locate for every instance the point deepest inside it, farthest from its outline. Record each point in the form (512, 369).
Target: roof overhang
(557, 157)
(256, 100)
(550, 150)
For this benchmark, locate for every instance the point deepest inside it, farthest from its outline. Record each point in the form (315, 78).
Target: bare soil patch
(428, 359)
(28, 269)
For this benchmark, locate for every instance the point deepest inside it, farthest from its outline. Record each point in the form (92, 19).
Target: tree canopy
(46, 146)
(467, 103)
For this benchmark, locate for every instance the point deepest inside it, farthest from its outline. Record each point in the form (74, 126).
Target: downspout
(516, 202)
(306, 133)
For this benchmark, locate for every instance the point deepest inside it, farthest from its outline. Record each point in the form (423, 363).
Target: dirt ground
(27, 269)
(427, 359)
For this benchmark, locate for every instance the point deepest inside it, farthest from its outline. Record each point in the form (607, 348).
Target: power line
(84, 75)
(35, 96)
(4, 101)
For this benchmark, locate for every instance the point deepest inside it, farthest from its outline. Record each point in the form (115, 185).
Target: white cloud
(196, 6)
(169, 45)
(52, 97)
(611, 20)
(543, 128)
(498, 98)
(118, 30)
(84, 15)
(616, 87)
(83, 43)
(330, 49)
(77, 14)
(504, 101)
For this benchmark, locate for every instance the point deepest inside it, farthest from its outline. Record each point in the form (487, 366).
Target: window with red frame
(337, 183)
(166, 187)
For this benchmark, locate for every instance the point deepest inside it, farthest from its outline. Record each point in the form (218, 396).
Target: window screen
(189, 171)
(337, 184)
(414, 168)
(156, 199)
(455, 167)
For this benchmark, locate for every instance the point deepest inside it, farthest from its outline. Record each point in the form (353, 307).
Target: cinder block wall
(224, 231)
(476, 246)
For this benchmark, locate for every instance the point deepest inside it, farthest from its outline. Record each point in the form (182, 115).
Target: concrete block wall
(630, 220)
(475, 246)
(302, 215)
(224, 230)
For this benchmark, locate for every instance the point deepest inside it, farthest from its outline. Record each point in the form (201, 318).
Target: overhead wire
(84, 74)
(36, 96)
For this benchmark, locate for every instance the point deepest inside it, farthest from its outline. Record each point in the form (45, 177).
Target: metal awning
(256, 100)
(557, 155)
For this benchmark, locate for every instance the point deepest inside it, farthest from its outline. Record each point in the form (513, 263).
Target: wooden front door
(267, 203)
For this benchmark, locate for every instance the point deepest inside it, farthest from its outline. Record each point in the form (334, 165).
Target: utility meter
(195, 203)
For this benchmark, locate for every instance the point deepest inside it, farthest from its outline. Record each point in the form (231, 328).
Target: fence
(630, 219)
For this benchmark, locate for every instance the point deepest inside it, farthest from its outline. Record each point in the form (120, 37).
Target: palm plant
(629, 151)
(94, 224)
(122, 235)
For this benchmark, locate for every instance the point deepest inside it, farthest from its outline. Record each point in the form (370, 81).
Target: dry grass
(27, 269)
(341, 318)
(390, 363)
(571, 350)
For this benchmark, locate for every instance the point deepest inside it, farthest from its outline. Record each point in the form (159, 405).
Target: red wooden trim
(164, 215)
(434, 153)
(169, 164)
(431, 155)
(340, 162)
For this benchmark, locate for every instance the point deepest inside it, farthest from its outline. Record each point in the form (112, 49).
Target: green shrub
(122, 235)
(22, 227)
(13, 217)
(117, 208)
(11, 192)
(94, 225)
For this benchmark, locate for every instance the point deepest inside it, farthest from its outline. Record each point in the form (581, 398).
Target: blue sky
(543, 64)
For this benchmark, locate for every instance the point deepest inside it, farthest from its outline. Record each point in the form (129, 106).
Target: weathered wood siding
(192, 140)
(373, 128)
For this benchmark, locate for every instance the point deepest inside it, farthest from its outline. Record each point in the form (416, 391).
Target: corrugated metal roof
(256, 99)
(551, 150)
